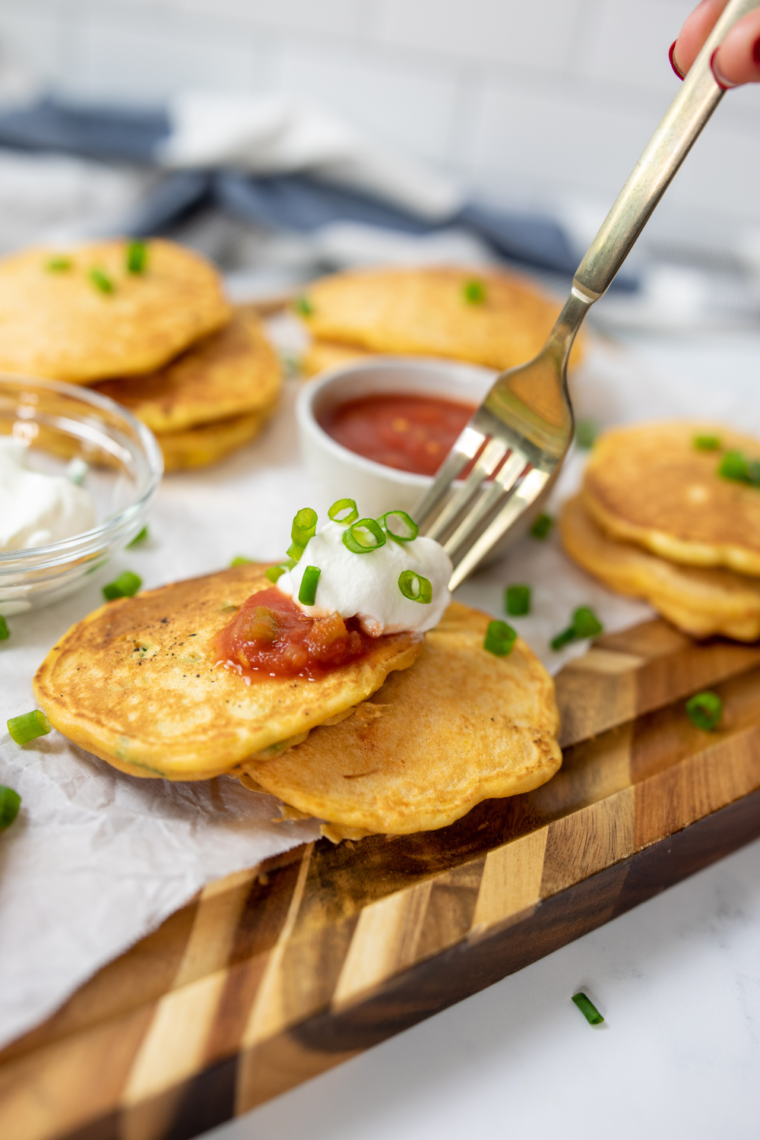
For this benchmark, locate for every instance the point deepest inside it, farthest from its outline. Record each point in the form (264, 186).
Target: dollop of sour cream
(365, 586)
(37, 509)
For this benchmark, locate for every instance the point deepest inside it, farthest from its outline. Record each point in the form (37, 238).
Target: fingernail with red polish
(672, 58)
(756, 51)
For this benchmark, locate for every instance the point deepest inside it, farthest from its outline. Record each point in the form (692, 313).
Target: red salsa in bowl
(407, 432)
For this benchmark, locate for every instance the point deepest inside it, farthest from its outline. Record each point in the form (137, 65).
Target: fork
(517, 439)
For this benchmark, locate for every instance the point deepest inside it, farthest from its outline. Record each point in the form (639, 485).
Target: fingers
(694, 33)
(737, 60)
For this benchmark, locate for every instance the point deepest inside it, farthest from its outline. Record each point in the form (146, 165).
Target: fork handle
(666, 150)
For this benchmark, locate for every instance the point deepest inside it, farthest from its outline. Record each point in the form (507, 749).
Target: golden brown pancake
(60, 325)
(232, 372)
(700, 600)
(461, 726)
(209, 443)
(425, 312)
(136, 683)
(649, 484)
(322, 355)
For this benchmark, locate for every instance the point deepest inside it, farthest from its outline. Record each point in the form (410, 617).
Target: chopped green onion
(76, 470)
(101, 280)
(4, 631)
(336, 511)
(59, 264)
(588, 1009)
(499, 639)
(356, 537)
(10, 802)
(274, 573)
(304, 526)
(239, 560)
(137, 257)
(474, 292)
(294, 552)
(705, 710)
(738, 469)
(139, 538)
(585, 624)
(28, 726)
(415, 587)
(125, 586)
(412, 530)
(304, 306)
(586, 432)
(707, 442)
(308, 591)
(542, 525)
(517, 600)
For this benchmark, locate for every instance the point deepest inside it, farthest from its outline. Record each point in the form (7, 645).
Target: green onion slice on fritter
(101, 280)
(364, 536)
(343, 511)
(404, 528)
(415, 587)
(137, 257)
(304, 526)
(274, 573)
(474, 292)
(308, 591)
(707, 442)
(500, 638)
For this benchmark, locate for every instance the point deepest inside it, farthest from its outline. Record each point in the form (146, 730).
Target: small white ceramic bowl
(338, 473)
(62, 422)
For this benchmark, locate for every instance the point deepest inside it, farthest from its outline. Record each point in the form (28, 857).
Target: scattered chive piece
(294, 552)
(59, 264)
(474, 292)
(499, 639)
(542, 526)
(28, 726)
(415, 587)
(4, 631)
(517, 600)
(10, 802)
(308, 589)
(304, 306)
(707, 443)
(274, 573)
(586, 432)
(101, 280)
(76, 470)
(588, 1009)
(344, 511)
(125, 586)
(585, 624)
(705, 710)
(355, 536)
(738, 469)
(137, 257)
(139, 538)
(238, 560)
(412, 530)
(304, 526)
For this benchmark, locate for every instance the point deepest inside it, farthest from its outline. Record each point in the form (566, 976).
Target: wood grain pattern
(281, 972)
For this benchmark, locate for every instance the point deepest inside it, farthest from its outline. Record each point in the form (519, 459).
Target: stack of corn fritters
(662, 515)
(149, 326)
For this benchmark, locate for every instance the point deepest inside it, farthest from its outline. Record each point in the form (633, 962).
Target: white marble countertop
(677, 979)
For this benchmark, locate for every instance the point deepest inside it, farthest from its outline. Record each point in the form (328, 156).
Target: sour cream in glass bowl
(119, 464)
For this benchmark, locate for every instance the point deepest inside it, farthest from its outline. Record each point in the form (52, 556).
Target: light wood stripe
(511, 882)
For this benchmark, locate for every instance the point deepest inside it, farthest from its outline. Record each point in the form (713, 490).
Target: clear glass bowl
(62, 422)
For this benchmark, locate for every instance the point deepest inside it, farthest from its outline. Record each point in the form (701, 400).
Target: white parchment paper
(97, 859)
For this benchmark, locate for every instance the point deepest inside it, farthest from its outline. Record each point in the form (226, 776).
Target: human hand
(736, 61)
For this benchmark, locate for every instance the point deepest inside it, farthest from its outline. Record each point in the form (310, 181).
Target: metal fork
(520, 434)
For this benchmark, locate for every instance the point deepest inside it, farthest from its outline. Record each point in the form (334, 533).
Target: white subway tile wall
(530, 101)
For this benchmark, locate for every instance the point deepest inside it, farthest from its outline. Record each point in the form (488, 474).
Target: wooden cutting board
(276, 974)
